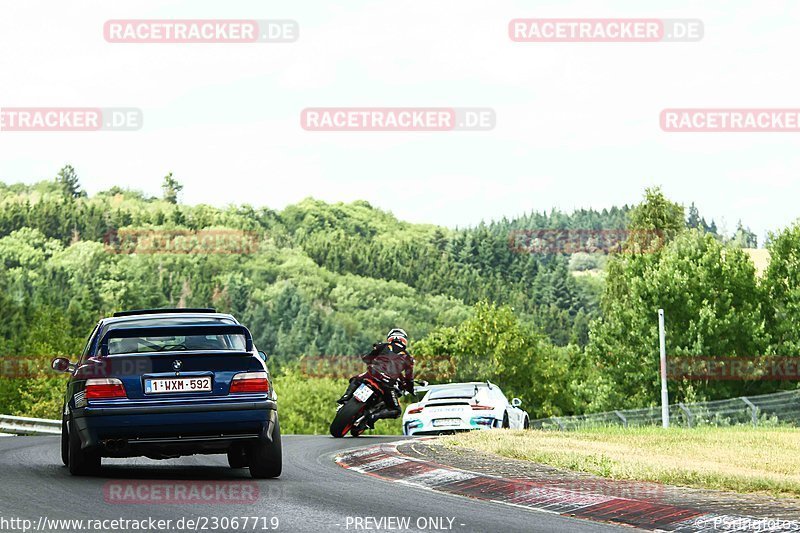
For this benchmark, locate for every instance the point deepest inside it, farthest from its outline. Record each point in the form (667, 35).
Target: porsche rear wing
(169, 331)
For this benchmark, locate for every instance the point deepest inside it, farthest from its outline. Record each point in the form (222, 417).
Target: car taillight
(415, 410)
(477, 407)
(104, 388)
(250, 382)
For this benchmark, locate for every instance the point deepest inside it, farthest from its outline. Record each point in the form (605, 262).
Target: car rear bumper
(201, 426)
(427, 427)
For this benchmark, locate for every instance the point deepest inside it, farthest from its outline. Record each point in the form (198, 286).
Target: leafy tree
(654, 222)
(712, 307)
(782, 290)
(744, 238)
(170, 189)
(67, 180)
(493, 345)
(693, 220)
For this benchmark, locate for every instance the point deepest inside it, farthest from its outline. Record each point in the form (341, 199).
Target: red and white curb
(384, 461)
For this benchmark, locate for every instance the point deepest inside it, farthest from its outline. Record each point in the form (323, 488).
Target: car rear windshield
(453, 392)
(177, 343)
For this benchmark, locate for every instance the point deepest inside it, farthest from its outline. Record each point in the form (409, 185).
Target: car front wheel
(81, 462)
(265, 458)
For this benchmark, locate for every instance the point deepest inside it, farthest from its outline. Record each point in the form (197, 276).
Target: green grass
(740, 459)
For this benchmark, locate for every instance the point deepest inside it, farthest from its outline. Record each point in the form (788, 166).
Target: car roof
(464, 384)
(183, 318)
(157, 319)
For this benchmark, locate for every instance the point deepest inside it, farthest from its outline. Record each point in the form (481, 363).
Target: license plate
(439, 422)
(157, 386)
(363, 393)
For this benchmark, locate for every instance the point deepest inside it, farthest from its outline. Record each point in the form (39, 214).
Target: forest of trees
(319, 279)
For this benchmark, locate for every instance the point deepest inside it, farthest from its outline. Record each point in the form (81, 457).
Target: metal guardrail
(780, 408)
(18, 425)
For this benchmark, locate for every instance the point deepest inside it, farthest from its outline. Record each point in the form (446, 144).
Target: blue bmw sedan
(164, 383)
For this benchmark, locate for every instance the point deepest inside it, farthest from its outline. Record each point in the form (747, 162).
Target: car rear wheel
(237, 457)
(64, 443)
(265, 458)
(82, 462)
(526, 424)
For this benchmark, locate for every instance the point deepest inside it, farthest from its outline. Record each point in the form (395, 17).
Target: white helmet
(397, 335)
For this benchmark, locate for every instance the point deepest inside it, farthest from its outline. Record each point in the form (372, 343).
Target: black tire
(345, 416)
(265, 458)
(64, 443)
(505, 421)
(526, 424)
(81, 462)
(237, 457)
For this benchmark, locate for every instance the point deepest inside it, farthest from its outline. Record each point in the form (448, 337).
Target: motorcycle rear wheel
(345, 417)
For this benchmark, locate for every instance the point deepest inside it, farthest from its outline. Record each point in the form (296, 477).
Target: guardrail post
(622, 417)
(753, 410)
(687, 412)
(663, 356)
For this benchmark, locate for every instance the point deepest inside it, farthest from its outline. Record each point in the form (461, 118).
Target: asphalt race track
(313, 494)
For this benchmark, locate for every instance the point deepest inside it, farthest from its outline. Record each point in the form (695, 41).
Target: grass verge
(740, 459)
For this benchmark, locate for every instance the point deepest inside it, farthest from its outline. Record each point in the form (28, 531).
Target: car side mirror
(516, 402)
(263, 355)
(62, 364)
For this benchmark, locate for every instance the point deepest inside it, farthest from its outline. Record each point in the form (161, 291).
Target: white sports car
(463, 407)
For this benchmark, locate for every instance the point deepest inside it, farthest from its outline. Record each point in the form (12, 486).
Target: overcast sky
(577, 123)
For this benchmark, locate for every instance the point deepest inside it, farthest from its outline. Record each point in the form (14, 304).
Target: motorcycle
(367, 399)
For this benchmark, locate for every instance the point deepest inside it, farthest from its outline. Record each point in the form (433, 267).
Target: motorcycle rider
(389, 363)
